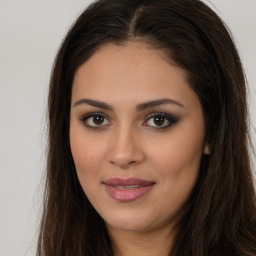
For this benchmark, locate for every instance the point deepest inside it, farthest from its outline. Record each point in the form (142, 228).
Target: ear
(207, 149)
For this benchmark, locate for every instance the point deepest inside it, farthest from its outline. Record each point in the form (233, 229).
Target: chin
(130, 222)
(128, 225)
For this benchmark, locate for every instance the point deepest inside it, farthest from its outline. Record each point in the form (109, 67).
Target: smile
(127, 187)
(127, 190)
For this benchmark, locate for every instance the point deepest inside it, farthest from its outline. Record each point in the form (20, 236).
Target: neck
(130, 243)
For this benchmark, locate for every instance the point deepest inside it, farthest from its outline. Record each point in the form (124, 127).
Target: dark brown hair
(220, 215)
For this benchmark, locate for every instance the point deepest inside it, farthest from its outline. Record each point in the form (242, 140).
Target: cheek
(84, 158)
(178, 167)
(88, 156)
(88, 159)
(178, 160)
(179, 152)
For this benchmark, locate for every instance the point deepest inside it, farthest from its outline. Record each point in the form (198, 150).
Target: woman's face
(136, 135)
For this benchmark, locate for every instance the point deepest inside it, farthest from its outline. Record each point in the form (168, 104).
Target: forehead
(132, 70)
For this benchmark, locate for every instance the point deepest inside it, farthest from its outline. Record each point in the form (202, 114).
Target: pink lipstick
(127, 190)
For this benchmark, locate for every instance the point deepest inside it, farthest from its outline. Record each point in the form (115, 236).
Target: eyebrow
(139, 107)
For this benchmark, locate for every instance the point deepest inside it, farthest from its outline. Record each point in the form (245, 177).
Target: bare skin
(134, 115)
(151, 244)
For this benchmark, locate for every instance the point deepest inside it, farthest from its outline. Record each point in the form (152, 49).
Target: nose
(126, 149)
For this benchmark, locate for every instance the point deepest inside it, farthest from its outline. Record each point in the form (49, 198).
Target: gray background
(30, 34)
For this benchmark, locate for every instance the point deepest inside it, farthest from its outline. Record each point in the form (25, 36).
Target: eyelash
(85, 119)
(167, 118)
(170, 119)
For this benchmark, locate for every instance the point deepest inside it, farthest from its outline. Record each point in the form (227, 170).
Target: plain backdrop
(30, 34)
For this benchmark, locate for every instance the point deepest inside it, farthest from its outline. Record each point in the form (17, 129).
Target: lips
(127, 190)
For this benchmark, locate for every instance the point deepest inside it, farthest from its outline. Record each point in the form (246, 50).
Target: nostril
(124, 152)
(132, 162)
(124, 164)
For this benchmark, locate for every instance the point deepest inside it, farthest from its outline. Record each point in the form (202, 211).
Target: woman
(148, 136)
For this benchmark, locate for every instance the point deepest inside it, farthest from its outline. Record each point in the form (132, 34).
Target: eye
(160, 120)
(95, 120)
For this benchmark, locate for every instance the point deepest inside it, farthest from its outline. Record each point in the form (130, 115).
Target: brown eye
(160, 120)
(96, 120)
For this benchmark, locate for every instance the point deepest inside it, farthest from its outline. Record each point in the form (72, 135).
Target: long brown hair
(220, 215)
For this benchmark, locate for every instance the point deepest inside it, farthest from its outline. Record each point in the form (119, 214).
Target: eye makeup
(95, 120)
(160, 120)
(155, 120)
